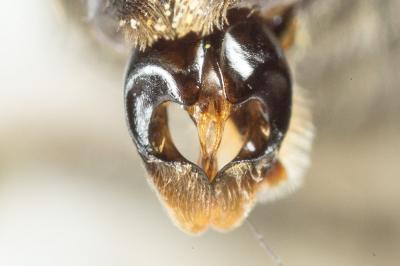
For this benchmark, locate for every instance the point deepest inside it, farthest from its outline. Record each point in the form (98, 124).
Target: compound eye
(150, 85)
(253, 61)
(169, 71)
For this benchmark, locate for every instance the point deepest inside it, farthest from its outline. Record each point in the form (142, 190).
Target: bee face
(227, 65)
(237, 72)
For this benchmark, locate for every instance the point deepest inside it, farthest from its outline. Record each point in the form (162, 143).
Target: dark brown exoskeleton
(237, 72)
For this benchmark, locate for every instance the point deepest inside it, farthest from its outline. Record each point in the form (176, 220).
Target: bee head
(238, 73)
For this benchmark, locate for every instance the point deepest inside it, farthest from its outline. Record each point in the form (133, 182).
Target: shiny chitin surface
(240, 73)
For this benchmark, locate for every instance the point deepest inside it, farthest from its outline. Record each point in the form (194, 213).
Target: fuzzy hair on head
(143, 22)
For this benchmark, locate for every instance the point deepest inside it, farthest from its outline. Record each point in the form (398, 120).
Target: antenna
(263, 243)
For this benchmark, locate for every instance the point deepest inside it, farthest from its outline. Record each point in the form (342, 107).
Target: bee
(227, 64)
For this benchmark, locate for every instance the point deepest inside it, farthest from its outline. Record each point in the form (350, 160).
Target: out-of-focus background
(73, 192)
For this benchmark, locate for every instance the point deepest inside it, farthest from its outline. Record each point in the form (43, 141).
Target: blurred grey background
(73, 192)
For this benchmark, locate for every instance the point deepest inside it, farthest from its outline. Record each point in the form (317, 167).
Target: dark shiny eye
(252, 60)
(256, 67)
(238, 75)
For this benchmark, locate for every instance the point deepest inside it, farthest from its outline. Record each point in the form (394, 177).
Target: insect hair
(145, 22)
(142, 23)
